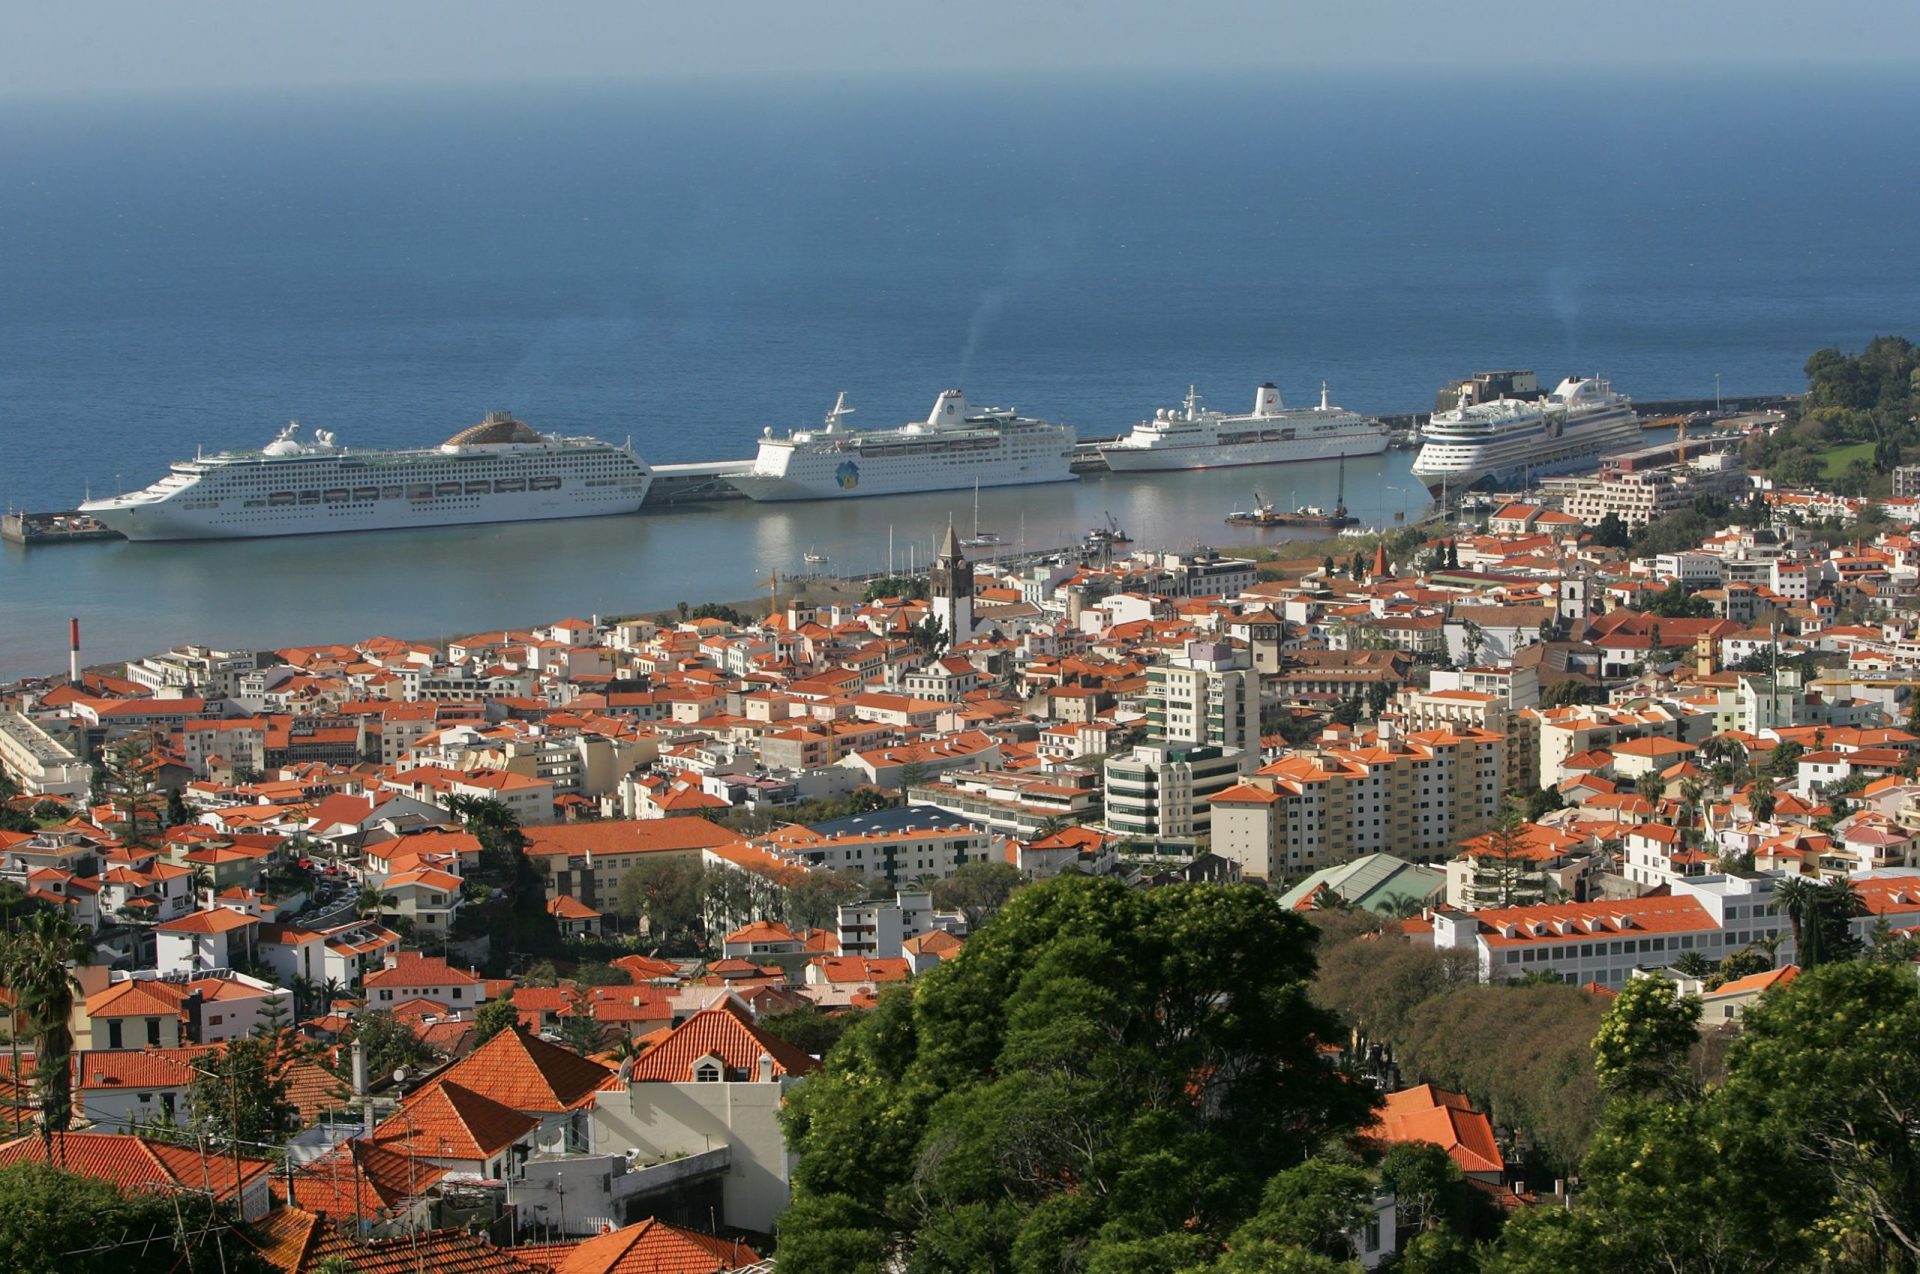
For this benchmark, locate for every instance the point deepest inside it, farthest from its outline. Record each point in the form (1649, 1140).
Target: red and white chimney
(73, 650)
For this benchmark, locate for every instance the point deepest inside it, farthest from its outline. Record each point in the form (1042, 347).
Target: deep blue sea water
(688, 263)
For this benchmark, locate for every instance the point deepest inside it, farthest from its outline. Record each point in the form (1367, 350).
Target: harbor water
(688, 264)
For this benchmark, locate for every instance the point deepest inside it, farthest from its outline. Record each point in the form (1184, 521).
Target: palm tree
(303, 992)
(1691, 789)
(371, 901)
(1052, 825)
(1799, 897)
(35, 961)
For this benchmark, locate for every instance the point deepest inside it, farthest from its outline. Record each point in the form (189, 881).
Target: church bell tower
(950, 590)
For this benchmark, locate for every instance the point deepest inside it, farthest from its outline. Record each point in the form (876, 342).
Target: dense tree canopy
(1105, 1079)
(54, 1222)
(1806, 1156)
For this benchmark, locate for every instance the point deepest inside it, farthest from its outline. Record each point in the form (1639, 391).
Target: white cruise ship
(500, 470)
(1272, 433)
(1512, 439)
(955, 446)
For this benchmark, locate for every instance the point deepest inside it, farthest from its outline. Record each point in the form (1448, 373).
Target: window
(113, 1035)
(153, 1031)
(706, 1073)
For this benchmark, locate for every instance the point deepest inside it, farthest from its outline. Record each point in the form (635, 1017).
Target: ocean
(685, 264)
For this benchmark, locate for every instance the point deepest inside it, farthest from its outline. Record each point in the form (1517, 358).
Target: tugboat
(1104, 536)
(1263, 514)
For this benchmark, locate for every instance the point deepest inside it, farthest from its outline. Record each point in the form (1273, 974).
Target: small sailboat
(979, 539)
(814, 558)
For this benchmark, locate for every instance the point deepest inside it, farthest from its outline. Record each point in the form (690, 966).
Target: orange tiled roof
(410, 968)
(650, 1247)
(447, 1121)
(1445, 1119)
(95, 1069)
(720, 1030)
(527, 1074)
(135, 1163)
(137, 997)
(361, 1177)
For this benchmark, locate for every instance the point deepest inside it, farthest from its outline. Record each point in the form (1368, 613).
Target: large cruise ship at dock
(956, 446)
(500, 470)
(1272, 433)
(1512, 439)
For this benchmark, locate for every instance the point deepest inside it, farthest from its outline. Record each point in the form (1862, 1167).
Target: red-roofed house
(647, 1247)
(573, 917)
(1446, 1120)
(119, 1090)
(430, 898)
(135, 1163)
(214, 939)
(716, 1080)
(408, 975)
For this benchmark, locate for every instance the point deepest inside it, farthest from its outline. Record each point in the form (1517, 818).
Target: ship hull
(169, 521)
(781, 488)
(1162, 459)
(1447, 466)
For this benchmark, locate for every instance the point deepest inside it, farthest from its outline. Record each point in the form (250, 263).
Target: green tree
(1735, 965)
(809, 1029)
(1427, 1185)
(1312, 1207)
(1505, 857)
(494, 1017)
(1611, 533)
(389, 1042)
(126, 780)
(54, 1222)
(579, 1028)
(977, 890)
(1645, 1038)
(35, 960)
(272, 1023)
(241, 1095)
(1830, 1058)
(664, 893)
(814, 897)
(1101, 1068)
(371, 901)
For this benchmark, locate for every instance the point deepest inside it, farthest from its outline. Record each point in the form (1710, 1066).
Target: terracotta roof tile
(720, 1030)
(527, 1074)
(447, 1121)
(651, 1247)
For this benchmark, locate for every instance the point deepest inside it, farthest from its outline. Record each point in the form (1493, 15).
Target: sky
(110, 47)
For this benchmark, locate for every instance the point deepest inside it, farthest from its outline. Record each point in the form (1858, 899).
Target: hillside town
(507, 952)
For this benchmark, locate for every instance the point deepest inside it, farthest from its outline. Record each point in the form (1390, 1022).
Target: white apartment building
(1162, 791)
(1604, 942)
(1209, 695)
(40, 763)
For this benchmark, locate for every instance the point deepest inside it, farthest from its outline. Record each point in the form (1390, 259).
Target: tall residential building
(1203, 729)
(1161, 791)
(1210, 695)
(1416, 796)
